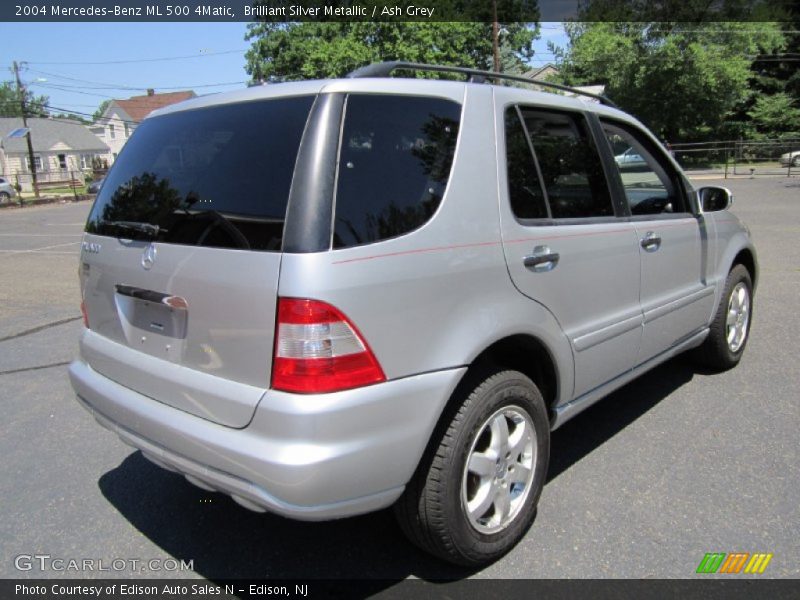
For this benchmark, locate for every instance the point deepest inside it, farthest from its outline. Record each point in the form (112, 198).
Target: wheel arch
(746, 258)
(521, 352)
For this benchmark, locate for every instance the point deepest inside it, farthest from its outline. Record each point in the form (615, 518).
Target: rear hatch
(181, 257)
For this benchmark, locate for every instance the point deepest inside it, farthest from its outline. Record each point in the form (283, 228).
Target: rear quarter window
(395, 158)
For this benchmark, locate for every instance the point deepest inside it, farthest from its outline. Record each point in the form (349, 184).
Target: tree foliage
(332, 49)
(775, 115)
(682, 79)
(100, 110)
(35, 106)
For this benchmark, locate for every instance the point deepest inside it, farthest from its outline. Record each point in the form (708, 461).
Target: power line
(141, 60)
(61, 89)
(77, 112)
(142, 88)
(109, 85)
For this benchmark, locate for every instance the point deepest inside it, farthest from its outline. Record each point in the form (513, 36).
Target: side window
(394, 164)
(524, 188)
(571, 169)
(649, 190)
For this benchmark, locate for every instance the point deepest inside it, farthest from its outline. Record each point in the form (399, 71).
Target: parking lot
(679, 463)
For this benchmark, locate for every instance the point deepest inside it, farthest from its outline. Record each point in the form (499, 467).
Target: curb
(48, 200)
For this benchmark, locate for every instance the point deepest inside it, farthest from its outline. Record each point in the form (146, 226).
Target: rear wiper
(148, 228)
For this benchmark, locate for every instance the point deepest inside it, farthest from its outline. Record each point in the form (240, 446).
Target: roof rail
(384, 69)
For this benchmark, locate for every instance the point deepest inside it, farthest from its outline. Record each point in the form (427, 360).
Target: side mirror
(714, 199)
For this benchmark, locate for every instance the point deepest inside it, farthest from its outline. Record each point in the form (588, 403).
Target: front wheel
(730, 328)
(475, 492)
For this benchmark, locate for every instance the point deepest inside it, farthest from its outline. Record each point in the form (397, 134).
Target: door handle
(177, 302)
(542, 259)
(651, 242)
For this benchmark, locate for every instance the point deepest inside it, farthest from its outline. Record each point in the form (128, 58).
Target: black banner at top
(504, 11)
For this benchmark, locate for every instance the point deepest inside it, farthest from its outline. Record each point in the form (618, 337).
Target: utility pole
(495, 37)
(21, 96)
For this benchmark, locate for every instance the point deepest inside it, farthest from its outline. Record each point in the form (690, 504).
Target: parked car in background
(324, 298)
(94, 187)
(630, 160)
(7, 191)
(791, 159)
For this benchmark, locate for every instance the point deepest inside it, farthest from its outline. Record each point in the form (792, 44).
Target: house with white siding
(121, 117)
(63, 151)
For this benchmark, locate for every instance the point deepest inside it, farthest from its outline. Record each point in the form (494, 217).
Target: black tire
(716, 352)
(4, 197)
(431, 512)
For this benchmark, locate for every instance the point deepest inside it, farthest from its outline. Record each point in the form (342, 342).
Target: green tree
(332, 49)
(71, 117)
(772, 109)
(775, 115)
(100, 109)
(683, 79)
(36, 106)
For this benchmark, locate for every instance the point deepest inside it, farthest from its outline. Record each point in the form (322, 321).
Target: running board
(565, 412)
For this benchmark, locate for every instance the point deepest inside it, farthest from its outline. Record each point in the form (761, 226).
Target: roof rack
(384, 69)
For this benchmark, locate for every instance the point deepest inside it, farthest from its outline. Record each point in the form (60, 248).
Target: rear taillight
(318, 349)
(85, 314)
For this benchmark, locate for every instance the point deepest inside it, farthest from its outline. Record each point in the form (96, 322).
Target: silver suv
(325, 298)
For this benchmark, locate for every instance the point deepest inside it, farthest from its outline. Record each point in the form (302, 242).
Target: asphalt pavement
(678, 463)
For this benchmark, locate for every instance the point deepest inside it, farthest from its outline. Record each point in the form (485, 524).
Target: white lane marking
(38, 249)
(41, 234)
(45, 252)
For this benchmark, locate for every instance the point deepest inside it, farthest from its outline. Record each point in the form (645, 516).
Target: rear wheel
(474, 495)
(730, 328)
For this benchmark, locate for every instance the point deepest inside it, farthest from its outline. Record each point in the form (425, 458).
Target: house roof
(50, 135)
(541, 71)
(138, 107)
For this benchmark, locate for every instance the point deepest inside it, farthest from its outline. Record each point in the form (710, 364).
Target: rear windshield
(210, 177)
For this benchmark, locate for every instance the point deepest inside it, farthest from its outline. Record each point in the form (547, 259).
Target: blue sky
(204, 57)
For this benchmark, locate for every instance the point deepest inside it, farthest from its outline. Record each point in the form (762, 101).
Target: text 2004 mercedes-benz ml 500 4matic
(324, 298)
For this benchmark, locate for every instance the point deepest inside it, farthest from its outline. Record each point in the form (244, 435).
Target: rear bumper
(308, 457)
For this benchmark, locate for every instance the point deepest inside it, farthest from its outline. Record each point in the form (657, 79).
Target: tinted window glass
(648, 188)
(211, 177)
(570, 165)
(396, 153)
(524, 188)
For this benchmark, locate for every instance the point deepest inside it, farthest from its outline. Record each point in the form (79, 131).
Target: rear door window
(215, 176)
(395, 158)
(524, 185)
(570, 166)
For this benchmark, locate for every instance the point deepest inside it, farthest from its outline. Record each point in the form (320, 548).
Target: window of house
(649, 189)
(394, 164)
(569, 163)
(111, 133)
(37, 161)
(86, 161)
(127, 130)
(62, 161)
